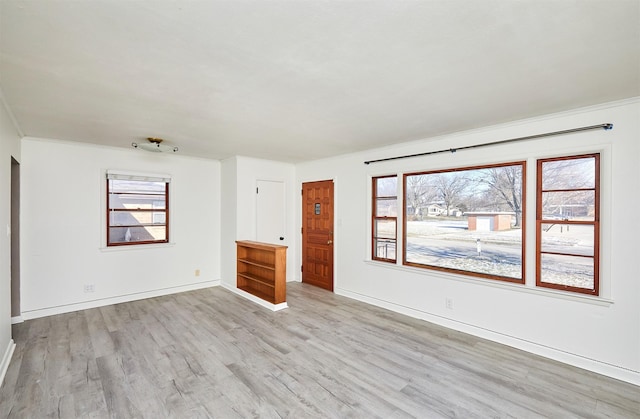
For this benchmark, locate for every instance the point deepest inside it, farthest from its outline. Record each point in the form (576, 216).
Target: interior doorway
(317, 234)
(15, 241)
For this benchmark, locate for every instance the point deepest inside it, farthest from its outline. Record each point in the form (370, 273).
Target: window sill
(109, 249)
(564, 295)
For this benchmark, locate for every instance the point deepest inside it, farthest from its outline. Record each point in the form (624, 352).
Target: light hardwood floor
(210, 353)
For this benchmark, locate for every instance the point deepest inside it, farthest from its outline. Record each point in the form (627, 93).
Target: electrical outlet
(89, 288)
(197, 273)
(448, 303)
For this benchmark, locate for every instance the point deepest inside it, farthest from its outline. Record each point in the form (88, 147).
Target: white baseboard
(17, 319)
(6, 359)
(593, 365)
(257, 300)
(68, 308)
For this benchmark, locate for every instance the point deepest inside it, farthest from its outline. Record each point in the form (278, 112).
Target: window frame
(523, 255)
(153, 211)
(375, 217)
(540, 221)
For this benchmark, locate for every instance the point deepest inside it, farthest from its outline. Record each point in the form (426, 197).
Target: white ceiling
(301, 80)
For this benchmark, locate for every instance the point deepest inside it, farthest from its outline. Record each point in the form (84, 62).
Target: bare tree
(386, 196)
(419, 192)
(450, 187)
(568, 174)
(505, 185)
(571, 177)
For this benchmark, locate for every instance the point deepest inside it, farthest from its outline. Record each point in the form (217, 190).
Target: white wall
(63, 228)
(240, 176)
(601, 334)
(251, 170)
(9, 147)
(229, 221)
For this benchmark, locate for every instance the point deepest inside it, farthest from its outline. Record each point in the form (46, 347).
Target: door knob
(329, 241)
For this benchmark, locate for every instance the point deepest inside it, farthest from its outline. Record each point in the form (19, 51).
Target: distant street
(449, 244)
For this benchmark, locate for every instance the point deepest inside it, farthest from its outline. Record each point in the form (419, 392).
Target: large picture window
(385, 218)
(137, 209)
(568, 220)
(467, 220)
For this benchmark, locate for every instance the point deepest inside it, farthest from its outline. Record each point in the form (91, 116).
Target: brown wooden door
(317, 234)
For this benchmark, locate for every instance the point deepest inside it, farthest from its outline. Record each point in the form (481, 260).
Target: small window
(467, 220)
(568, 223)
(137, 209)
(385, 218)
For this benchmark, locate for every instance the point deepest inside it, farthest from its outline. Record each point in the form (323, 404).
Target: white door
(270, 211)
(483, 224)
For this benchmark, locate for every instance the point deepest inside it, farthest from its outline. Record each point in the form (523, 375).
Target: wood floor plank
(212, 354)
(99, 332)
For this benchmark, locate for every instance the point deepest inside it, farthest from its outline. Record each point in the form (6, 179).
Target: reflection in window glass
(467, 220)
(385, 218)
(568, 205)
(568, 223)
(137, 211)
(567, 174)
(568, 239)
(567, 271)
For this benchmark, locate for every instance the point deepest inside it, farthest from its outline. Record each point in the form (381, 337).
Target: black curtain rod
(512, 140)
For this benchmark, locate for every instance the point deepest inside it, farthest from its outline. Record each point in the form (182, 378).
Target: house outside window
(137, 209)
(467, 220)
(568, 223)
(385, 218)
(472, 221)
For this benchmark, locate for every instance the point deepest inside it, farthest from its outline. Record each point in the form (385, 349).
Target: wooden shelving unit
(262, 270)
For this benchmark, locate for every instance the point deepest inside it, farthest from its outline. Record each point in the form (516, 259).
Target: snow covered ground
(449, 244)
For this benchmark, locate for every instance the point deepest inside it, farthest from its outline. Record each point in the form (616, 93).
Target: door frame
(336, 224)
(16, 310)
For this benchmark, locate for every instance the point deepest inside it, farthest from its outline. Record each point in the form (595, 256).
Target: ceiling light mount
(155, 145)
